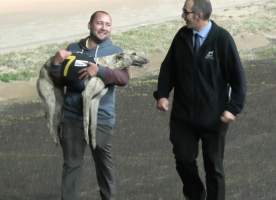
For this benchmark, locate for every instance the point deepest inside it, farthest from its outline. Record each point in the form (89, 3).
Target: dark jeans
(73, 146)
(185, 139)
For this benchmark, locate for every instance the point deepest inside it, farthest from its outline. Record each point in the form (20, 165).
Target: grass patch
(24, 65)
(259, 18)
(145, 81)
(268, 53)
(150, 39)
(22, 75)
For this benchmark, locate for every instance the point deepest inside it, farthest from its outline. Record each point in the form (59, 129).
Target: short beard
(94, 38)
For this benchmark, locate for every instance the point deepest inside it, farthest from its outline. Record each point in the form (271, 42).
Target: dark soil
(30, 164)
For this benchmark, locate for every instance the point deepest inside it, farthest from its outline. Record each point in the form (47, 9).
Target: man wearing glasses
(203, 68)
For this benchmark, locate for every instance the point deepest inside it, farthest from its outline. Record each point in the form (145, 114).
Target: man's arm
(109, 76)
(236, 80)
(54, 66)
(165, 78)
(165, 81)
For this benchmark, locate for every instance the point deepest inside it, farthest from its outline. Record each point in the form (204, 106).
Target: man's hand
(227, 117)
(89, 71)
(163, 104)
(60, 56)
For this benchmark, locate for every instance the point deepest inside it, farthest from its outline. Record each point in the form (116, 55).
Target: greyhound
(52, 96)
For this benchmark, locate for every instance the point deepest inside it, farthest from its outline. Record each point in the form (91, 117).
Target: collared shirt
(203, 33)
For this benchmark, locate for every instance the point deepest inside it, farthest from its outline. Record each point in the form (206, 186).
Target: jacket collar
(106, 42)
(187, 35)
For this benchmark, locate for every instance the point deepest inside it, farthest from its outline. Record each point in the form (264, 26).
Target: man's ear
(200, 15)
(88, 25)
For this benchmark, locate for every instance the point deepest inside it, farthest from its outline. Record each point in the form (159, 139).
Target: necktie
(196, 43)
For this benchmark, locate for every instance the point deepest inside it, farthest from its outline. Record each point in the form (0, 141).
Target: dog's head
(123, 60)
(132, 58)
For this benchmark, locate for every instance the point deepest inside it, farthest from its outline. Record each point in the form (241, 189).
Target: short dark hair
(93, 16)
(203, 6)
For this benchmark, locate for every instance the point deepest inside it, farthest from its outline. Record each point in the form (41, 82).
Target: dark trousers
(185, 139)
(73, 147)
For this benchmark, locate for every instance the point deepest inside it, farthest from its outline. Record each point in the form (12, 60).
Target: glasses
(186, 12)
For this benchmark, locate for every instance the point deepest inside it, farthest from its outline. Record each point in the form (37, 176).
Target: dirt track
(31, 165)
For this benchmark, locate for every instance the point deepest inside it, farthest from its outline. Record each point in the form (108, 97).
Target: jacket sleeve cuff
(49, 64)
(232, 109)
(101, 72)
(157, 95)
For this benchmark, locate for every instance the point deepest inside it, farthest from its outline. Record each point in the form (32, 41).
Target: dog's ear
(119, 56)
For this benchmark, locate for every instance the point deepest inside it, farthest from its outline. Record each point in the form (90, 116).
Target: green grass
(268, 52)
(25, 64)
(20, 75)
(264, 53)
(259, 20)
(150, 39)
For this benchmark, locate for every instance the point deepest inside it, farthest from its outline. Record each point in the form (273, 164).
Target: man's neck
(90, 44)
(201, 24)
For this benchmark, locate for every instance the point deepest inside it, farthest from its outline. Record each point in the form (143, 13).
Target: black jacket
(201, 82)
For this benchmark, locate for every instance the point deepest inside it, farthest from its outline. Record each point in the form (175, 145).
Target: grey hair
(204, 7)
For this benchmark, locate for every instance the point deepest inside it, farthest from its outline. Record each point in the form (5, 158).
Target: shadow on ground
(30, 166)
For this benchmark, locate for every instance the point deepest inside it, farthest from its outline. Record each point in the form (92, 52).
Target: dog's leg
(58, 112)
(94, 115)
(45, 88)
(86, 106)
(93, 87)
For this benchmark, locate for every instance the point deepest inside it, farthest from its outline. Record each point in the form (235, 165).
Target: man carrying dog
(72, 140)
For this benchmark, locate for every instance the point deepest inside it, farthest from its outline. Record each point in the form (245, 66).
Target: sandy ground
(25, 24)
